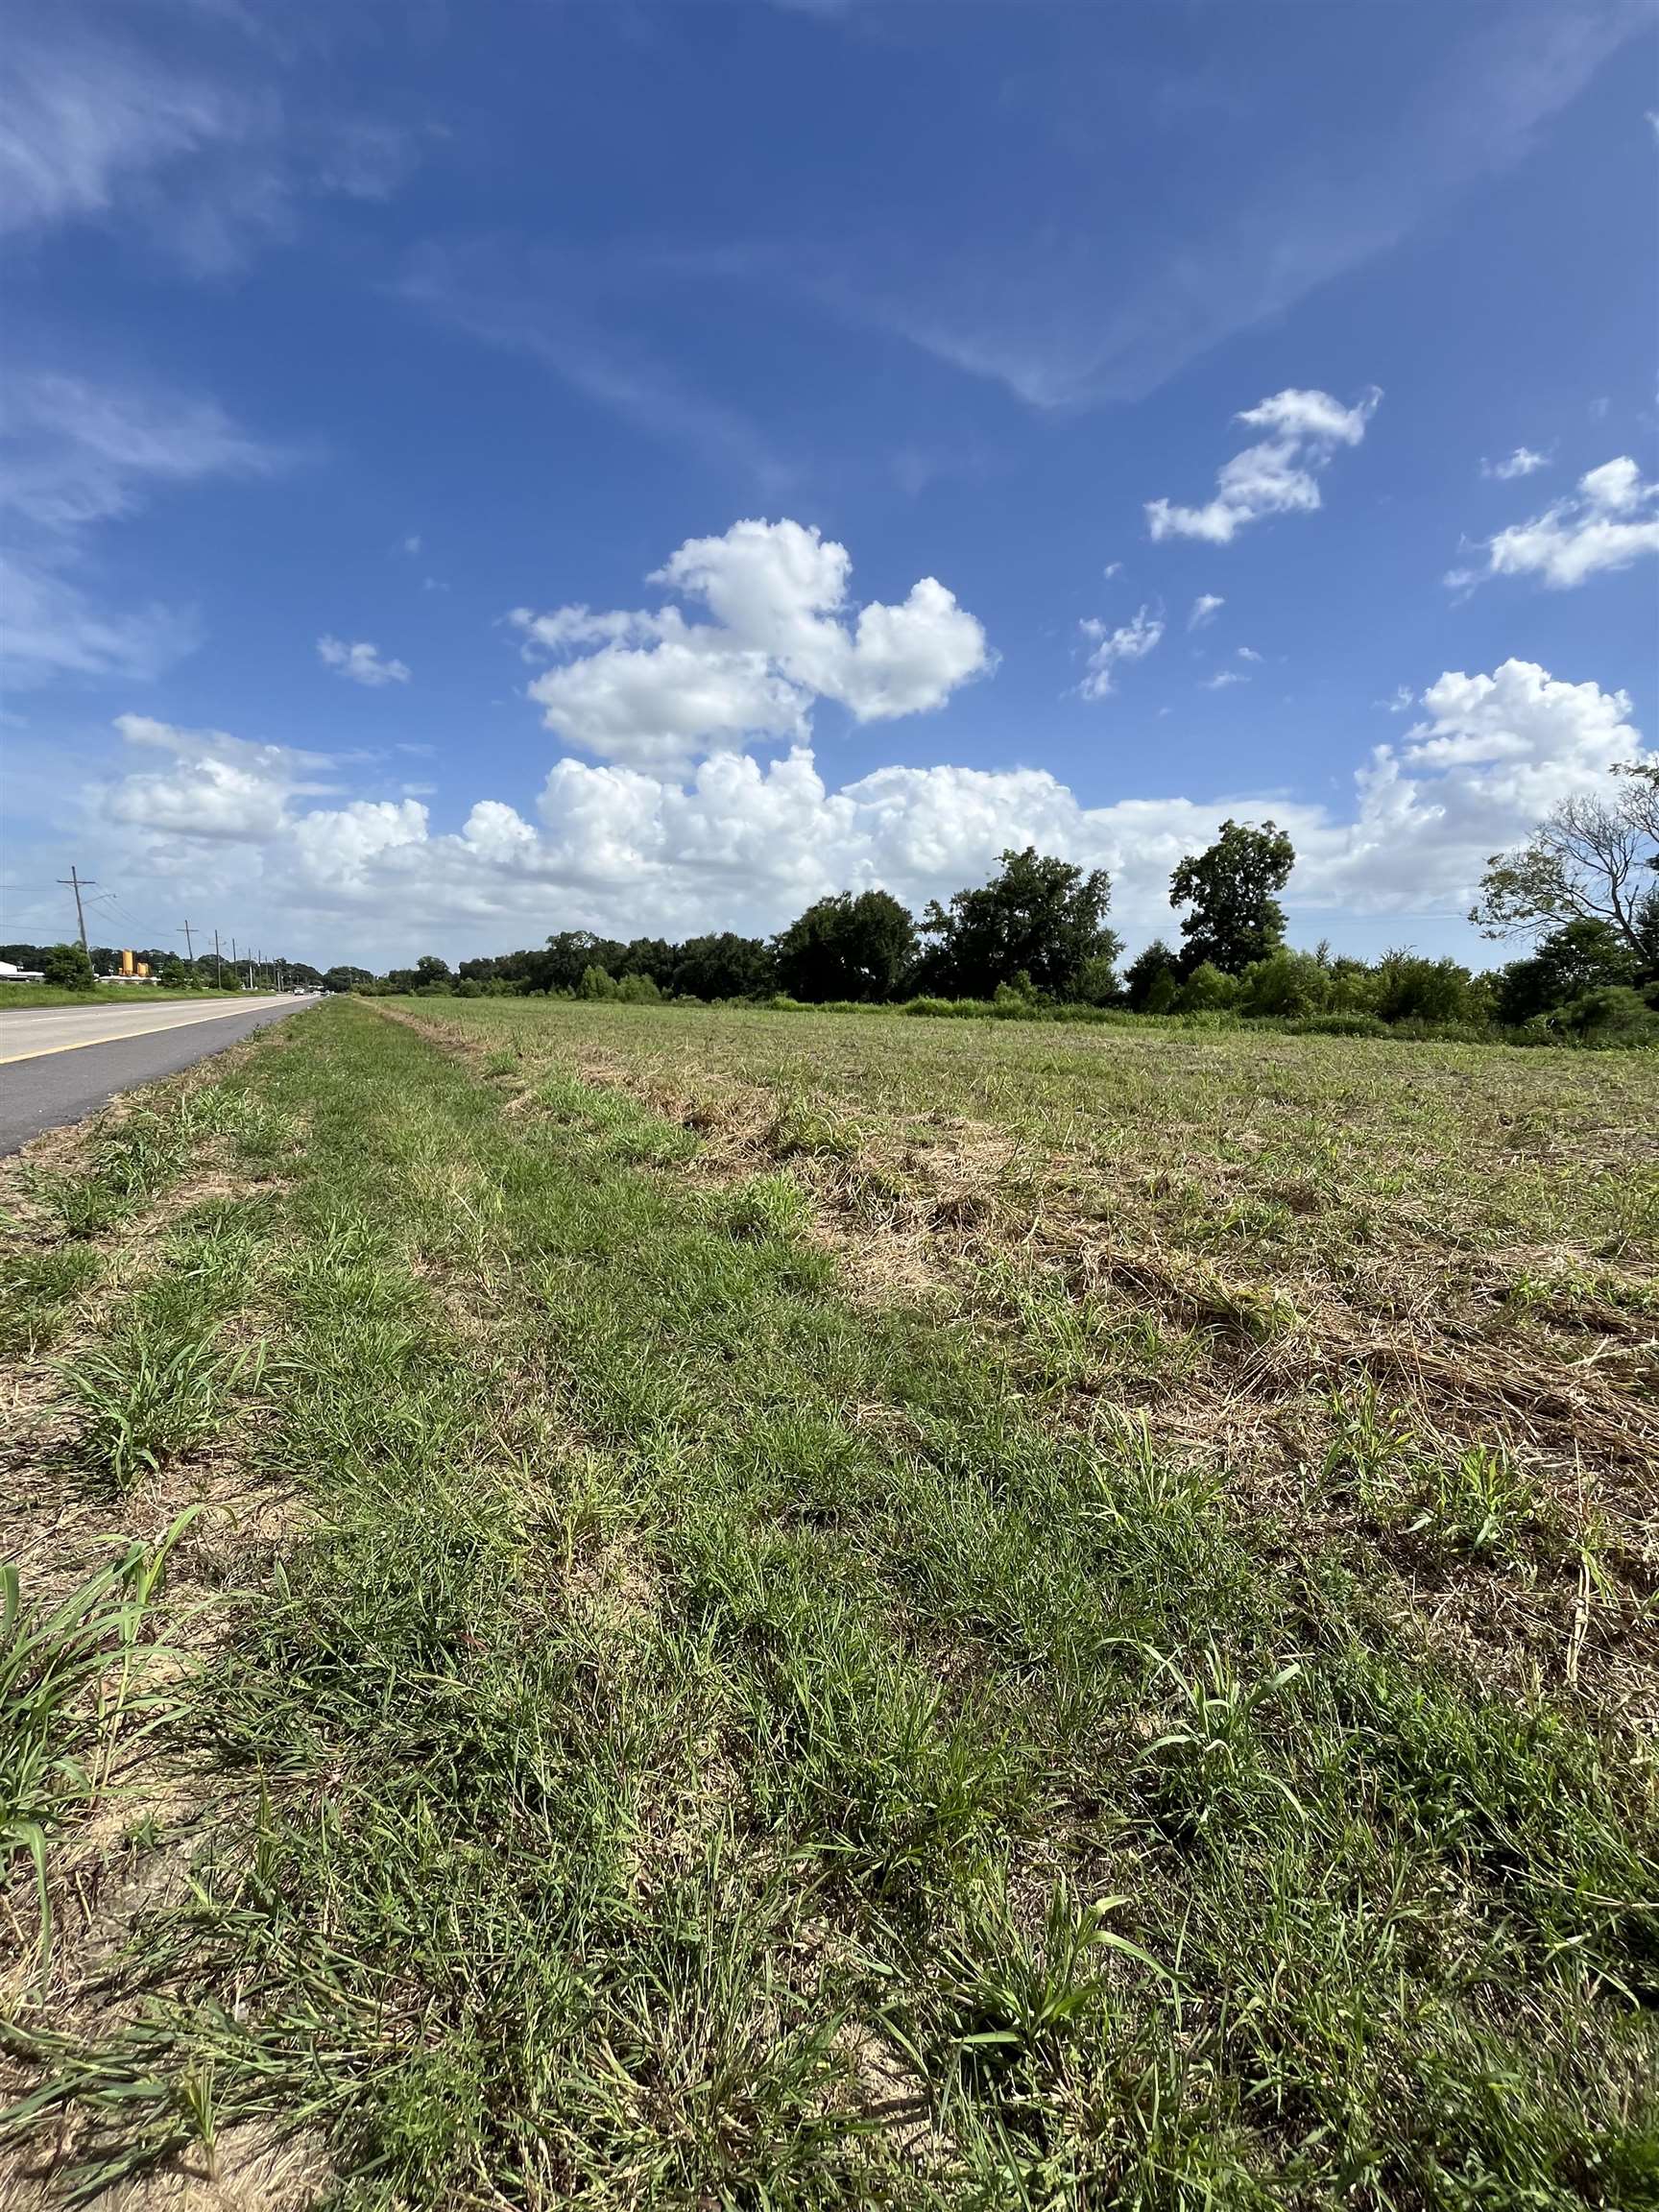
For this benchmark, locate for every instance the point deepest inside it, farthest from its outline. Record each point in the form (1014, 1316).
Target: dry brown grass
(1465, 1238)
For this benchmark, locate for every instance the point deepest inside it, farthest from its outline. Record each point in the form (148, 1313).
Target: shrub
(1097, 980)
(1580, 956)
(1615, 1015)
(1286, 984)
(1141, 979)
(1207, 991)
(66, 968)
(1412, 989)
(1015, 1001)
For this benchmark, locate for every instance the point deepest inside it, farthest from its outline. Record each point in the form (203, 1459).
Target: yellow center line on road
(80, 1044)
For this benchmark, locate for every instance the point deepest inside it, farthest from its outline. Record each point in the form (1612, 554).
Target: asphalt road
(64, 1062)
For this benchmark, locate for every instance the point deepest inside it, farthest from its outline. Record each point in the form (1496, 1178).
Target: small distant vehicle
(300, 991)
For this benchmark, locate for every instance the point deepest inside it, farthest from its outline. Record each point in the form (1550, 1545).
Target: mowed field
(717, 1608)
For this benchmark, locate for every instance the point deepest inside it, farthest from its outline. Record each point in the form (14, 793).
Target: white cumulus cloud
(1131, 640)
(1610, 519)
(746, 843)
(1278, 475)
(361, 663)
(1205, 609)
(214, 785)
(655, 689)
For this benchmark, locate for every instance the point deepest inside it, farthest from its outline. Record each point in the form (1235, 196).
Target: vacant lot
(796, 1611)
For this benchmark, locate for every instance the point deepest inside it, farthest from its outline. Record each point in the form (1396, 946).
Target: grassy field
(28, 995)
(753, 1610)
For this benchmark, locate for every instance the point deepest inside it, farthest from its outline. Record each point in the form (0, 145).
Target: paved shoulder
(52, 1072)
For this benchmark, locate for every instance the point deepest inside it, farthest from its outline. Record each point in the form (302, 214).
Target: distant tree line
(1035, 941)
(67, 968)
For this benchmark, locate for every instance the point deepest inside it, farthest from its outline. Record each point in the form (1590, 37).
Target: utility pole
(189, 946)
(218, 965)
(78, 884)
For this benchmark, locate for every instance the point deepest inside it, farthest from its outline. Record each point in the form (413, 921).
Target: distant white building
(10, 972)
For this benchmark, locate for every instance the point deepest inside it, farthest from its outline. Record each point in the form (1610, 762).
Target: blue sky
(481, 470)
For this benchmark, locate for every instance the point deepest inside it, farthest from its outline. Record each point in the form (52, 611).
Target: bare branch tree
(1641, 800)
(1590, 859)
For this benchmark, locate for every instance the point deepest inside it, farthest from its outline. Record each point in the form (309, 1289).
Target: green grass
(26, 996)
(78, 1687)
(743, 1720)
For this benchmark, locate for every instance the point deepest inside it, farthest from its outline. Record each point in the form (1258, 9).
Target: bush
(1580, 958)
(1411, 988)
(1207, 991)
(66, 968)
(1142, 978)
(1096, 982)
(1287, 985)
(1015, 1001)
(638, 990)
(1615, 1015)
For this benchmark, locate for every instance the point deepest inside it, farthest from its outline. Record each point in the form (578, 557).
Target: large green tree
(66, 968)
(859, 945)
(725, 965)
(1592, 858)
(1235, 918)
(1038, 917)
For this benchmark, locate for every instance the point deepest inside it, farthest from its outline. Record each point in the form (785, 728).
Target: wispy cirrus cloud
(76, 456)
(202, 156)
(1062, 322)
(563, 311)
(1108, 649)
(1522, 462)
